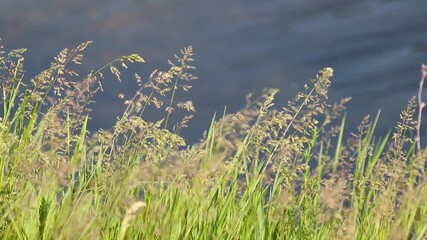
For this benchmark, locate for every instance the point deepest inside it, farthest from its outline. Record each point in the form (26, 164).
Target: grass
(261, 173)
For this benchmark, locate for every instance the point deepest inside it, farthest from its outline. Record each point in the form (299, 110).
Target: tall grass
(260, 173)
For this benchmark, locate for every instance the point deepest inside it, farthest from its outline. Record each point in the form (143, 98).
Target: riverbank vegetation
(262, 173)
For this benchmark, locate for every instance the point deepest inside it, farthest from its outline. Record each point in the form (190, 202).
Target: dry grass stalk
(421, 106)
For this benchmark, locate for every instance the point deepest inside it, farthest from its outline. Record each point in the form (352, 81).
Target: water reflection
(375, 47)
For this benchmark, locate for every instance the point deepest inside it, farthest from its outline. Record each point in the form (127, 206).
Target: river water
(375, 47)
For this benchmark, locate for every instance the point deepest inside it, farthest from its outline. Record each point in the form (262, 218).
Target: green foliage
(260, 173)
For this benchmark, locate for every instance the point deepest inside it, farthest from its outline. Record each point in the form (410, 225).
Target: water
(375, 47)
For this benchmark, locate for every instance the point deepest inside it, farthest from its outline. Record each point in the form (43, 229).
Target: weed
(260, 173)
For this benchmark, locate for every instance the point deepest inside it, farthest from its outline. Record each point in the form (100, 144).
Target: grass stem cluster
(262, 173)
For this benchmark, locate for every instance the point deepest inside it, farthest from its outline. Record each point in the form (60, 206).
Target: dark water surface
(375, 47)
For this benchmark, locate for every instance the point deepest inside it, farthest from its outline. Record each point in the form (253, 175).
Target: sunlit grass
(261, 173)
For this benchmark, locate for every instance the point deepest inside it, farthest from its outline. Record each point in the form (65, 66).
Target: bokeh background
(241, 46)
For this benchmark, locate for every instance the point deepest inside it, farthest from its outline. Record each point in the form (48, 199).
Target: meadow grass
(260, 173)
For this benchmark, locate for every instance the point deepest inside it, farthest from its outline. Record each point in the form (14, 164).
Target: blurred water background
(242, 46)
